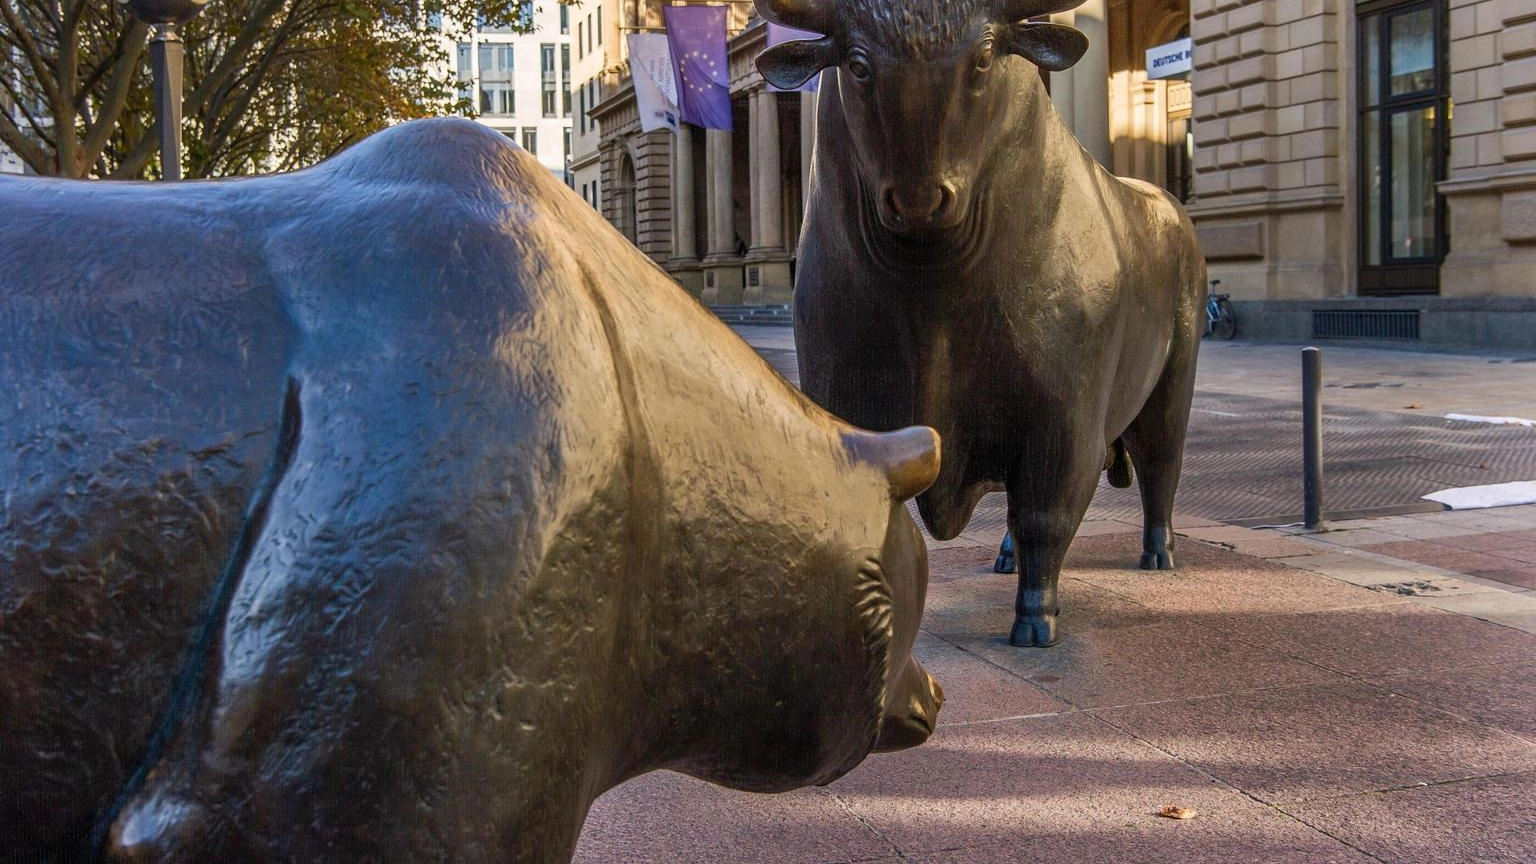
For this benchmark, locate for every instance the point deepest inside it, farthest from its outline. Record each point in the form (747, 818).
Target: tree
(271, 84)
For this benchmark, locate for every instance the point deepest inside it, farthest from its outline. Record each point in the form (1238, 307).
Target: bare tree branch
(23, 146)
(29, 47)
(116, 95)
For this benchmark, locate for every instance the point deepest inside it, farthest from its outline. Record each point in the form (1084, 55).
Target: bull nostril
(920, 205)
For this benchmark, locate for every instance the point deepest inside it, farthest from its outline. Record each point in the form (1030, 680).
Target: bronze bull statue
(394, 509)
(965, 264)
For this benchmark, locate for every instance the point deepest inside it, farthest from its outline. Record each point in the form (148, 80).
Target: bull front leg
(1046, 503)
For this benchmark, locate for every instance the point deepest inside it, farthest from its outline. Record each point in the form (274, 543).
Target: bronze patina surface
(965, 264)
(395, 509)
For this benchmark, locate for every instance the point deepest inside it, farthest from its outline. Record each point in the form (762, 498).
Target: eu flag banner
(778, 34)
(700, 62)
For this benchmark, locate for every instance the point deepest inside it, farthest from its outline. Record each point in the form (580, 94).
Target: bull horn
(909, 457)
(813, 15)
(1019, 10)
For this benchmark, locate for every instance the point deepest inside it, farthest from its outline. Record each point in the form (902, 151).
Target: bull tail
(1117, 464)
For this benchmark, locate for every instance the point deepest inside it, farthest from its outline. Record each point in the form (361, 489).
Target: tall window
(497, 96)
(565, 80)
(581, 50)
(531, 140)
(565, 19)
(599, 25)
(1404, 139)
(551, 80)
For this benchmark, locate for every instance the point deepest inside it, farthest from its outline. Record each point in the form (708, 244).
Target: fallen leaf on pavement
(1174, 811)
(1413, 405)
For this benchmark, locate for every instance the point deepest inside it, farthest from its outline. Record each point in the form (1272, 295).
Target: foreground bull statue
(394, 509)
(967, 265)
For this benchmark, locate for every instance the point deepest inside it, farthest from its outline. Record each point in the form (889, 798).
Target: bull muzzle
(918, 208)
(911, 709)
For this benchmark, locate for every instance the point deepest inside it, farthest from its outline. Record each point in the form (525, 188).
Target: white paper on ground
(1506, 421)
(1495, 495)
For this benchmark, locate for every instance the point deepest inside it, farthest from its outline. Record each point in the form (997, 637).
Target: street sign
(1171, 59)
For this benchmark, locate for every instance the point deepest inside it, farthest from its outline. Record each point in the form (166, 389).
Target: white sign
(1172, 59)
(650, 63)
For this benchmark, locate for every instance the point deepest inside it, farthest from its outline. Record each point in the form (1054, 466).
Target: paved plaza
(1362, 694)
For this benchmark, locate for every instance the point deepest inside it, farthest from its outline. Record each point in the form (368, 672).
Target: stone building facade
(1355, 168)
(1369, 168)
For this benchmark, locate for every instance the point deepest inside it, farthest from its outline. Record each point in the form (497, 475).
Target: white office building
(520, 83)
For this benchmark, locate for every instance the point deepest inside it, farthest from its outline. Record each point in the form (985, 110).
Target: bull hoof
(1157, 560)
(1034, 632)
(1006, 561)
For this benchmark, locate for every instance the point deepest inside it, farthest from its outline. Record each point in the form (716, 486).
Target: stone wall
(1491, 190)
(1271, 145)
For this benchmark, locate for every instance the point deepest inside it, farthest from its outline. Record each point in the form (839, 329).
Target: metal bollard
(1312, 435)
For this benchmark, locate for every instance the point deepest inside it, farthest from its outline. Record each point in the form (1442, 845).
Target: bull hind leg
(1155, 442)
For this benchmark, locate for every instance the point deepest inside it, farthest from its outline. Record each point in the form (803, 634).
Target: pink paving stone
(667, 817)
(1309, 742)
(1517, 576)
(1262, 836)
(955, 562)
(982, 606)
(1213, 581)
(1372, 641)
(989, 784)
(1523, 554)
(1490, 542)
(1131, 665)
(977, 690)
(1488, 821)
(1501, 696)
(1436, 555)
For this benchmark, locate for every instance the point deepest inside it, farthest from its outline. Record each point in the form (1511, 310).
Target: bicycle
(1220, 321)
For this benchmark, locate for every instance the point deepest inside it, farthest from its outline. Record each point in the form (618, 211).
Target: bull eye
(985, 56)
(858, 67)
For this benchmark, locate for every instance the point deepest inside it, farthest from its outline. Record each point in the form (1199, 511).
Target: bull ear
(909, 457)
(1052, 47)
(790, 64)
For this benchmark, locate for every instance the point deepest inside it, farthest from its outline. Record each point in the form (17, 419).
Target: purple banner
(778, 34)
(700, 63)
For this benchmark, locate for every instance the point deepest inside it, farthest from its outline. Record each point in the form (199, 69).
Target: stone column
(767, 261)
(1090, 82)
(684, 264)
(722, 269)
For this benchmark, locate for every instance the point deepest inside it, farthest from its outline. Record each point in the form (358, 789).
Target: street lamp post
(166, 53)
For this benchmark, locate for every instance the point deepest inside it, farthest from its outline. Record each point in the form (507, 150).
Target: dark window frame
(1394, 275)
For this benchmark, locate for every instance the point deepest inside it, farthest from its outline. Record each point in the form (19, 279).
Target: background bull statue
(966, 264)
(395, 509)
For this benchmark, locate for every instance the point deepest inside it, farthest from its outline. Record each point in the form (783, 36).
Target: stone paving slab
(1486, 820)
(1296, 712)
(1305, 743)
(1501, 695)
(1263, 836)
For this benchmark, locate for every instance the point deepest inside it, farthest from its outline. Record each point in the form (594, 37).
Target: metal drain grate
(1365, 324)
